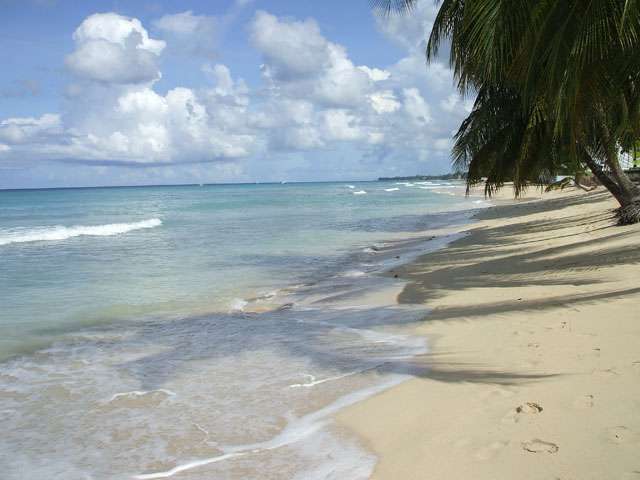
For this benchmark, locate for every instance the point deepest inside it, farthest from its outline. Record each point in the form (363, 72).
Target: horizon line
(150, 185)
(284, 182)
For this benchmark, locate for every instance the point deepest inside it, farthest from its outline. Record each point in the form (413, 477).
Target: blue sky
(120, 92)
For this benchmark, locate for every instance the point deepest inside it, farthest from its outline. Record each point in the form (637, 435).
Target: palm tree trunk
(629, 211)
(629, 189)
(620, 185)
(603, 177)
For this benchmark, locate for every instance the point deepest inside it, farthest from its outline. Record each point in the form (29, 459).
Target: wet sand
(533, 370)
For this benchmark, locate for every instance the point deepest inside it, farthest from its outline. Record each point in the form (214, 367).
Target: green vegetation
(557, 85)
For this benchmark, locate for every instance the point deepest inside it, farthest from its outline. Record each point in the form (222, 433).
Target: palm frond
(387, 7)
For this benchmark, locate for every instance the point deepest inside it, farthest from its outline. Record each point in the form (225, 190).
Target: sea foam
(59, 232)
(295, 431)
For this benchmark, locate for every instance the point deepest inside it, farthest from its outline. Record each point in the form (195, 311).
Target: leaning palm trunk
(629, 211)
(603, 177)
(619, 185)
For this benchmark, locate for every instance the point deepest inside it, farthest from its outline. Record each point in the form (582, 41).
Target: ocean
(205, 332)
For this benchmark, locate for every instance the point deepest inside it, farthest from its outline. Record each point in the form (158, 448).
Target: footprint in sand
(514, 416)
(583, 401)
(529, 407)
(540, 446)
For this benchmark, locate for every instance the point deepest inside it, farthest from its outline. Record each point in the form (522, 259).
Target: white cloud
(137, 124)
(456, 103)
(28, 129)
(185, 23)
(300, 137)
(415, 106)
(313, 97)
(384, 101)
(194, 34)
(450, 103)
(443, 144)
(375, 74)
(115, 49)
(300, 62)
(411, 29)
(292, 49)
(224, 85)
(342, 125)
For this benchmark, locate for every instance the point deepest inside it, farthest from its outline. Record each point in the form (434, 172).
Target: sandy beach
(533, 370)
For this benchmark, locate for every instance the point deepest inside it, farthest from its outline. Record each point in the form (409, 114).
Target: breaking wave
(58, 232)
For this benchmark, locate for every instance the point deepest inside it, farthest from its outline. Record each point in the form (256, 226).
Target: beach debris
(540, 446)
(620, 434)
(529, 407)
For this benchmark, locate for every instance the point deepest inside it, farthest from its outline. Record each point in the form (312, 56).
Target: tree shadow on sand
(495, 257)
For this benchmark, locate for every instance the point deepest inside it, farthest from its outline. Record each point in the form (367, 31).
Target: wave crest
(56, 233)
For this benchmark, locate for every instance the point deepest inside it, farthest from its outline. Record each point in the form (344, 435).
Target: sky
(215, 91)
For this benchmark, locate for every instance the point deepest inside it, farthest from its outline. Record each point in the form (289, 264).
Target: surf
(59, 232)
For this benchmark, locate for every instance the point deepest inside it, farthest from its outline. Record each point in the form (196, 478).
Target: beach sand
(534, 363)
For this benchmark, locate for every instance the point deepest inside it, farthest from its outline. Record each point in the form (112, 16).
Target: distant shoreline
(446, 176)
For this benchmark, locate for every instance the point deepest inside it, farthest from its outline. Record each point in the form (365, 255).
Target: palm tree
(557, 83)
(499, 141)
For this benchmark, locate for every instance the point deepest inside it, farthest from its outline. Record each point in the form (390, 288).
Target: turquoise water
(144, 329)
(203, 248)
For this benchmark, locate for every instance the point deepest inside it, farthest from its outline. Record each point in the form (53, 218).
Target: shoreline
(409, 247)
(522, 372)
(344, 322)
